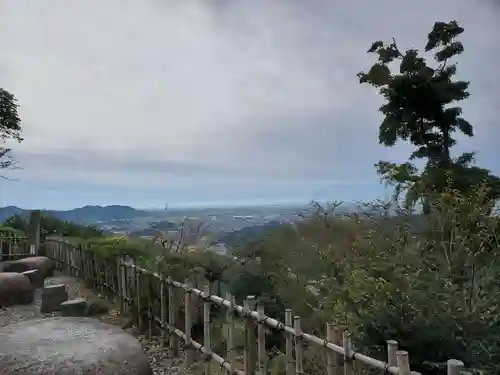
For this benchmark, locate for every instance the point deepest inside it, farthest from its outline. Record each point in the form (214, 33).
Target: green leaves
(379, 75)
(418, 109)
(465, 127)
(10, 123)
(375, 46)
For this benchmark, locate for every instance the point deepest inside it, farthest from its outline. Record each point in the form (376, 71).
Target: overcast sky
(224, 101)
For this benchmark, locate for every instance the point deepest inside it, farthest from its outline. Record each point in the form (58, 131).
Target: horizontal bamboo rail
(127, 281)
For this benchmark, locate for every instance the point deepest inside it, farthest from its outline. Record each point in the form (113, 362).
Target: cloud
(143, 94)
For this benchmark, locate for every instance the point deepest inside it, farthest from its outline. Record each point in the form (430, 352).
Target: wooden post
(231, 354)
(403, 362)
(188, 353)
(163, 310)
(347, 344)
(81, 272)
(250, 341)
(173, 339)
(137, 275)
(121, 284)
(454, 367)
(207, 343)
(261, 340)
(34, 230)
(392, 348)
(332, 358)
(290, 367)
(149, 286)
(299, 355)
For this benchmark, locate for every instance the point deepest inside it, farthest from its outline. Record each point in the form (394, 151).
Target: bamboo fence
(127, 281)
(14, 247)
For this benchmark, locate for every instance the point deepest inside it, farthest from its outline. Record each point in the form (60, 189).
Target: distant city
(217, 228)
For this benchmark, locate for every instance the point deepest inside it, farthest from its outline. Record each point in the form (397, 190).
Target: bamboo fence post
(290, 367)
(403, 362)
(149, 279)
(207, 343)
(163, 311)
(188, 353)
(392, 348)
(348, 362)
(93, 268)
(230, 331)
(121, 285)
(138, 283)
(250, 350)
(173, 340)
(454, 367)
(261, 340)
(333, 362)
(81, 274)
(299, 355)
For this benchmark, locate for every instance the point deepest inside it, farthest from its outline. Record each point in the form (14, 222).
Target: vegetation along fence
(139, 290)
(14, 247)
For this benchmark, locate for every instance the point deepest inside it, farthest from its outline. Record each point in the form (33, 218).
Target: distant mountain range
(83, 215)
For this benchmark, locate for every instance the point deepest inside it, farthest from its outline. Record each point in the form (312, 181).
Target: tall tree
(419, 109)
(10, 127)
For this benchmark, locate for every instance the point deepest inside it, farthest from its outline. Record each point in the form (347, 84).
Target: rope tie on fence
(262, 320)
(280, 326)
(299, 336)
(224, 361)
(325, 343)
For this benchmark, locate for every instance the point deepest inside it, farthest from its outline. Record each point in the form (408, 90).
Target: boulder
(44, 264)
(64, 345)
(52, 297)
(36, 278)
(15, 289)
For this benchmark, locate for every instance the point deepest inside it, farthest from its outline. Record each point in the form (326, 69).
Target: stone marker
(15, 289)
(52, 297)
(44, 264)
(36, 277)
(64, 345)
(75, 307)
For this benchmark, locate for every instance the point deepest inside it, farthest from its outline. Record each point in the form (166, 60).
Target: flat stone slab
(36, 278)
(52, 297)
(75, 307)
(15, 289)
(64, 345)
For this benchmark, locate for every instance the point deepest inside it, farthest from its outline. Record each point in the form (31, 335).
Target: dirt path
(160, 358)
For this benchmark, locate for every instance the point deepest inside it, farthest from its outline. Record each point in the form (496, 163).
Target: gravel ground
(161, 360)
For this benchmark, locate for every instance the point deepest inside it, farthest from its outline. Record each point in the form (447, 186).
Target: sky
(200, 102)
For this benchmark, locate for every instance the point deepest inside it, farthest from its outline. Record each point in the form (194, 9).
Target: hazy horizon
(225, 102)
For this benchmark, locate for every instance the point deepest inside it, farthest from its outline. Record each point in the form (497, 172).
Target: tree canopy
(10, 127)
(421, 107)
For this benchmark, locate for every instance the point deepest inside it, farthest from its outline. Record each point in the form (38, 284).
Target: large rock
(36, 278)
(15, 289)
(44, 264)
(70, 346)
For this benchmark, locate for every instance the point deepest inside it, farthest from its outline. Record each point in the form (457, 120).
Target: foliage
(7, 231)
(52, 226)
(10, 126)
(418, 110)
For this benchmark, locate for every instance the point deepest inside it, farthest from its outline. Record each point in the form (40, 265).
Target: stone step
(52, 297)
(74, 307)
